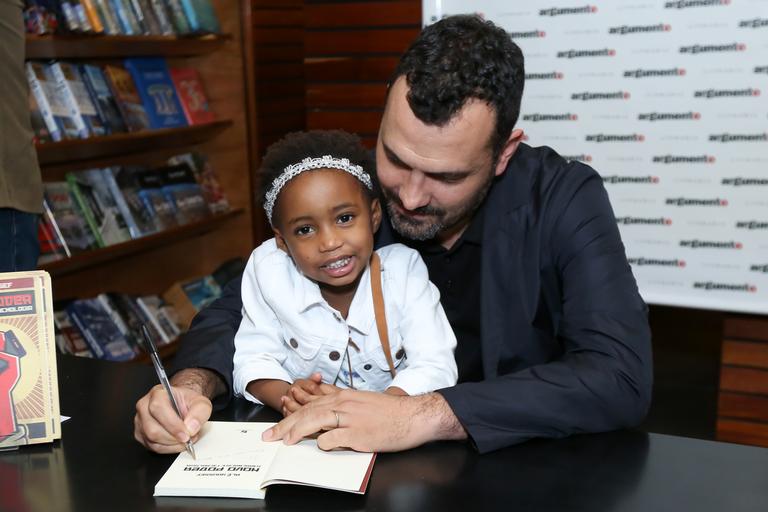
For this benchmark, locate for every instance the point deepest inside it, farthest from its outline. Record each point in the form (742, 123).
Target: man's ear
(280, 241)
(514, 140)
(375, 215)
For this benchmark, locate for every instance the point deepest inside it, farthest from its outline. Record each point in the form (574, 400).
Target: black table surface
(97, 465)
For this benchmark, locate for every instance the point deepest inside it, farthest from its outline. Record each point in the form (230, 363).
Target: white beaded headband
(309, 163)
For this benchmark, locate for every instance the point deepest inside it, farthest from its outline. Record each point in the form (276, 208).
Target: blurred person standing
(21, 188)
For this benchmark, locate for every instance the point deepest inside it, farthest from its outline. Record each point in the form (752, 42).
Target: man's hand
(370, 422)
(303, 391)
(156, 424)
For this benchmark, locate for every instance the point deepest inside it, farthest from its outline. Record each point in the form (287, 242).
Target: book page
(306, 464)
(231, 462)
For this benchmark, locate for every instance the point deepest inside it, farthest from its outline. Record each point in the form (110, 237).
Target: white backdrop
(668, 100)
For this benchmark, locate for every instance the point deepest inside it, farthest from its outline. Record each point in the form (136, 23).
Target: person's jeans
(19, 247)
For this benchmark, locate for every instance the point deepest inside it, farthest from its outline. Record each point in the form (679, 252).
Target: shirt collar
(361, 314)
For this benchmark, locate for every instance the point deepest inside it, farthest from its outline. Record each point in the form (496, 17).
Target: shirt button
(334, 356)
(367, 367)
(449, 283)
(400, 353)
(294, 343)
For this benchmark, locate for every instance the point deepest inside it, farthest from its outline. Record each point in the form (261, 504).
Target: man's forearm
(206, 382)
(434, 420)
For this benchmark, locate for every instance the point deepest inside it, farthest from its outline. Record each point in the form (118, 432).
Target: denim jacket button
(294, 343)
(400, 353)
(334, 356)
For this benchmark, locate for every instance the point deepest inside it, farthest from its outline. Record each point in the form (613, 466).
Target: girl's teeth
(338, 264)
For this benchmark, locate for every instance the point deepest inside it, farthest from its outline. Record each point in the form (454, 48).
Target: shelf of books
(116, 144)
(106, 46)
(140, 118)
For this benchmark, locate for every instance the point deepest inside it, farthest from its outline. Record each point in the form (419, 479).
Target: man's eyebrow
(457, 174)
(392, 156)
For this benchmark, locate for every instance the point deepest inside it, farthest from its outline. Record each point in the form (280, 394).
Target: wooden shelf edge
(146, 243)
(93, 148)
(105, 46)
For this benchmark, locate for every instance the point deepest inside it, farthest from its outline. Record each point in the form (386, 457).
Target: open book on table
(233, 462)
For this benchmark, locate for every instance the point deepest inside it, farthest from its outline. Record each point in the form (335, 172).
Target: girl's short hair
(296, 146)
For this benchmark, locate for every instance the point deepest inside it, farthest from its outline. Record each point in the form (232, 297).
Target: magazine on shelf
(67, 217)
(98, 88)
(156, 90)
(192, 95)
(109, 223)
(127, 97)
(73, 92)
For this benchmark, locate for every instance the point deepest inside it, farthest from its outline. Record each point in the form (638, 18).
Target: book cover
(50, 222)
(187, 298)
(99, 330)
(110, 224)
(151, 25)
(201, 15)
(206, 178)
(93, 16)
(88, 206)
(124, 185)
(29, 393)
(192, 95)
(106, 106)
(133, 316)
(155, 310)
(115, 312)
(181, 189)
(155, 87)
(80, 108)
(154, 201)
(232, 461)
(40, 129)
(127, 98)
(162, 16)
(67, 216)
(68, 338)
(51, 244)
(47, 100)
(177, 16)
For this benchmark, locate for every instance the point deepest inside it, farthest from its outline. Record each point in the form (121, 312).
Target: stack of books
(96, 208)
(121, 17)
(80, 100)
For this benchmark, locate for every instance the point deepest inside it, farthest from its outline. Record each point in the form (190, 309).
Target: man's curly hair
(462, 57)
(296, 146)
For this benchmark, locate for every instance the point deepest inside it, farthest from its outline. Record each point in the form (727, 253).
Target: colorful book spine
(201, 16)
(152, 26)
(71, 20)
(42, 91)
(179, 20)
(158, 95)
(75, 95)
(50, 220)
(82, 16)
(93, 16)
(87, 206)
(108, 19)
(125, 17)
(122, 205)
(139, 16)
(163, 17)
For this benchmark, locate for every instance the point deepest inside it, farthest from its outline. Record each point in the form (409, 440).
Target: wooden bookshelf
(84, 150)
(112, 47)
(106, 255)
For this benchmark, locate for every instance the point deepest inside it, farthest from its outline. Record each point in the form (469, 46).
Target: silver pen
(163, 378)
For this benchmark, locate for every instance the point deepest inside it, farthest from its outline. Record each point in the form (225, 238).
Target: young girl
(308, 305)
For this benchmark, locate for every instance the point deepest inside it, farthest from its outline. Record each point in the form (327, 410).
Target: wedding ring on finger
(336, 413)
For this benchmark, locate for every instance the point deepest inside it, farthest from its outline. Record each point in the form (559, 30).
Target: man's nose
(412, 193)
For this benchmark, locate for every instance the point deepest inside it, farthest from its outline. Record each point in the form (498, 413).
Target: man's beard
(433, 221)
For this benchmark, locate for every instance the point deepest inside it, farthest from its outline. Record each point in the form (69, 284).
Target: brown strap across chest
(378, 308)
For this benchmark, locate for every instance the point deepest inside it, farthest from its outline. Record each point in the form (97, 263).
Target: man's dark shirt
(456, 273)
